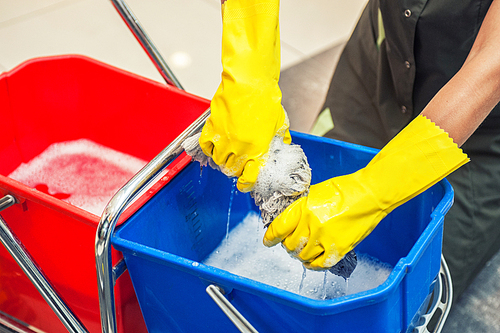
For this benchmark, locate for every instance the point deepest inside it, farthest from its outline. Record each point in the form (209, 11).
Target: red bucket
(59, 99)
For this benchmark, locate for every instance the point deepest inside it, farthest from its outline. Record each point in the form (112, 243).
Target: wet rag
(284, 178)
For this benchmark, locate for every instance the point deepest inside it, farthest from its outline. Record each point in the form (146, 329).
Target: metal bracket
(7, 201)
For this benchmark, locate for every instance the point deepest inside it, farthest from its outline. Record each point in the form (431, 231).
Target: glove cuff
(417, 158)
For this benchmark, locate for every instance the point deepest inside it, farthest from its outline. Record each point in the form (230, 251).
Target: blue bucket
(166, 240)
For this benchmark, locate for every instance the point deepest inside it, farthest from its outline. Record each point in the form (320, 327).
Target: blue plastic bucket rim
(229, 281)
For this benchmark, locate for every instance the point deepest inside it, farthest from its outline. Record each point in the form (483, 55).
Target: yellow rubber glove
(246, 110)
(339, 213)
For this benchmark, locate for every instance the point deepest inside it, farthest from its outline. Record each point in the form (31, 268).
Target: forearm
(465, 101)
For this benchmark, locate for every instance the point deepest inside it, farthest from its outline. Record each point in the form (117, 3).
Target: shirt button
(407, 13)
(404, 109)
(407, 64)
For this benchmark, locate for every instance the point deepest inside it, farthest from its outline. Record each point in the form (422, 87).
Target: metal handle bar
(146, 43)
(107, 223)
(229, 310)
(24, 260)
(442, 300)
(113, 211)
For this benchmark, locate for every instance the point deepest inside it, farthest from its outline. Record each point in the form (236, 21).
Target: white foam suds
(245, 255)
(81, 172)
(285, 171)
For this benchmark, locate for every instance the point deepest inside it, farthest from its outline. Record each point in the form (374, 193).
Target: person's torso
(427, 42)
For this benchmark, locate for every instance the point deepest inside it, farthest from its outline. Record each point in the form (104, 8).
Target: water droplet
(324, 286)
(233, 189)
(302, 280)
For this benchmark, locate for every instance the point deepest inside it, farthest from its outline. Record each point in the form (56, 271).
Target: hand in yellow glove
(246, 110)
(339, 213)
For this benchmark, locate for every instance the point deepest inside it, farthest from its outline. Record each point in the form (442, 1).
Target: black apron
(398, 57)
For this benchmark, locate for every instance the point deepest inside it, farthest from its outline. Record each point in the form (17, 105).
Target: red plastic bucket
(57, 99)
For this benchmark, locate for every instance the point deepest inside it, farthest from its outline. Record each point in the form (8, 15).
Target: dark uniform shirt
(399, 56)
(426, 42)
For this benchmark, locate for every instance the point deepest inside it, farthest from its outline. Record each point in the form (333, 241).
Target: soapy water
(246, 256)
(81, 172)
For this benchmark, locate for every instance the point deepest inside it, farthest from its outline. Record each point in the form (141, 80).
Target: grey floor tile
(478, 310)
(304, 87)
(312, 26)
(15, 10)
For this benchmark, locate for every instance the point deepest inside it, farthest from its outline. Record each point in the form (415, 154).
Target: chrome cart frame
(440, 302)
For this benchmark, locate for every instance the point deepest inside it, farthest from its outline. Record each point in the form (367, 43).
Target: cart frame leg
(30, 268)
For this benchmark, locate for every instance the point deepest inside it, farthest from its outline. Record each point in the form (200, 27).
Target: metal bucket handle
(438, 310)
(146, 43)
(241, 323)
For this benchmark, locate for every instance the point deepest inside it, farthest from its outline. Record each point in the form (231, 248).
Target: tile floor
(187, 33)
(478, 309)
